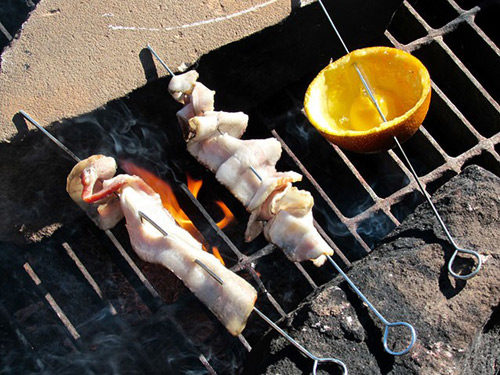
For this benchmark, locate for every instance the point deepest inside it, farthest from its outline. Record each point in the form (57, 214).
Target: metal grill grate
(462, 128)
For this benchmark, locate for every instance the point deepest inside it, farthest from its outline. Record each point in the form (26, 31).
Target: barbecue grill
(60, 302)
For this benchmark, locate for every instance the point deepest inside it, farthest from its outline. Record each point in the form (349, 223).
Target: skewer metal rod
(108, 232)
(316, 359)
(458, 249)
(255, 173)
(51, 137)
(172, 74)
(165, 234)
(300, 347)
(5, 32)
(209, 271)
(143, 217)
(160, 60)
(385, 322)
(303, 350)
(261, 314)
(333, 25)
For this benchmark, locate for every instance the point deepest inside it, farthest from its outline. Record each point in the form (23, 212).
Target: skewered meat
(91, 182)
(264, 212)
(198, 101)
(215, 123)
(230, 159)
(287, 221)
(85, 178)
(292, 228)
(182, 85)
(231, 302)
(247, 169)
(202, 99)
(183, 116)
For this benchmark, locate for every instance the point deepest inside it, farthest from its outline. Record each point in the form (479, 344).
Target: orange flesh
(343, 99)
(364, 115)
(336, 102)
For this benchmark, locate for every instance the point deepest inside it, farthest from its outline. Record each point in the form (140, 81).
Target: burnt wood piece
(407, 279)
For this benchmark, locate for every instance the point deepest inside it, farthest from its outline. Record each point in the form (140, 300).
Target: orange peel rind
(337, 104)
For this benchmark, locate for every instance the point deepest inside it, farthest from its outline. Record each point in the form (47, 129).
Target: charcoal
(406, 278)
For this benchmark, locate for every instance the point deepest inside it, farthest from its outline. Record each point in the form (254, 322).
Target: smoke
(115, 130)
(138, 339)
(111, 345)
(375, 228)
(299, 127)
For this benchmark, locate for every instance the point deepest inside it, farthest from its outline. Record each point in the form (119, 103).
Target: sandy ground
(74, 56)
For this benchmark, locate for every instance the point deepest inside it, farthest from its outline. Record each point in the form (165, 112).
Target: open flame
(172, 205)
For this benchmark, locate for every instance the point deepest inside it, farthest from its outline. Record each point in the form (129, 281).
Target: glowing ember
(172, 205)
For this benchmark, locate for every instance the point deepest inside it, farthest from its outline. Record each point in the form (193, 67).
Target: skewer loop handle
(475, 254)
(386, 335)
(332, 360)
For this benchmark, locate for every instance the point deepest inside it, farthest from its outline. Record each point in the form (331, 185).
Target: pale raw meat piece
(264, 212)
(235, 173)
(202, 99)
(185, 114)
(232, 123)
(297, 237)
(292, 229)
(271, 183)
(231, 302)
(86, 178)
(216, 123)
(230, 159)
(181, 85)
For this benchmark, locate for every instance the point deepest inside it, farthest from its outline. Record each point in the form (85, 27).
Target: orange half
(337, 104)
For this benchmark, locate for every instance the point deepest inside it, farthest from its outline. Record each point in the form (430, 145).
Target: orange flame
(170, 202)
(194, 187)
(228, 215)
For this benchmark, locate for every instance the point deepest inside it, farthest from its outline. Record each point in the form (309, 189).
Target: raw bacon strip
(202, 99)
(183, 116)
(92, 181)
(264, 212)
(292, 228)
(284, 213)
(96, 169)
(231, 302)
(182, 85)
(271, 183)
(216, 123)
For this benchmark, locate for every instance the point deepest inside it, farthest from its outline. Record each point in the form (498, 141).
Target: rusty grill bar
(434, 42)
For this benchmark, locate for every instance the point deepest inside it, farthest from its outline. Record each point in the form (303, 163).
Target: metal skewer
(316, 360)
(173, 75)
(108, 232)
(51, 137)
(458, 249)
(160, 60)
(143, 216)
(386, 323)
